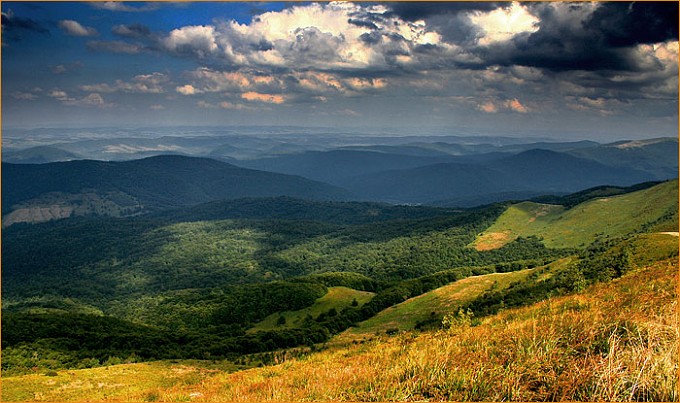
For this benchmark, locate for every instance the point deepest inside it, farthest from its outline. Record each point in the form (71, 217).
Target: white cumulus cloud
(503, 24)
(197, 40)
(330, 36)
(74, 28)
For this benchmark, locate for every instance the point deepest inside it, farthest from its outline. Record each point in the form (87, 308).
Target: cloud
(414, 11)
(90, 100)
(13, 28)
(10, 22)
(325, 83)
(500, 57)
(63, 68)
(336, 36)
(229, 105)
(488, 107)
(121, 6)
(349, 112)
(502, 24)
(223, 105)
(60, 95)
(600, 106)
(192, 40)
(132, 31)
(494, 106)
(24, 96)
(73, 28)
(586, 36)
(516, 106)
(268, 98)
(209, 80)
(143, 83)
(630, 24)
(187, 89)
(205, 105)
(59, 69)
(115, 47)
(156, 107)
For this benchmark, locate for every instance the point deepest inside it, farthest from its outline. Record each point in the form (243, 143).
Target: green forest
(93, 291)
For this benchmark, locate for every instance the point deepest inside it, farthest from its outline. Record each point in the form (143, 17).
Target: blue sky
(590, 70)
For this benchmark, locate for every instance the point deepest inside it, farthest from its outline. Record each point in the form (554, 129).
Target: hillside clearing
(337, 297)
(584, 223)
(429, 306)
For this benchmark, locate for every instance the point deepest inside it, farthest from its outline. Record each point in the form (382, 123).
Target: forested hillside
(221, 286)
(148, 184)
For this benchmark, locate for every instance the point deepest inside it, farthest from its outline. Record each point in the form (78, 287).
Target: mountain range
(434, 173)
(31, 191)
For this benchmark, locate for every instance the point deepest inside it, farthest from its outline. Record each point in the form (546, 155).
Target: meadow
(612, 341)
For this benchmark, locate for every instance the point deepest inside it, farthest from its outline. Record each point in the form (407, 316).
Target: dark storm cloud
(413, 11)
(601, 41)
(12, 23)
(628, 24)
(362, 23)
(372, 38)
(544, 50)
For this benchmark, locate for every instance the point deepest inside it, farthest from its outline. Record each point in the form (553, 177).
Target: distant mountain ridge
(39, 155)
(153, 183)
(411, 172)
(467, 175)
(523, 175)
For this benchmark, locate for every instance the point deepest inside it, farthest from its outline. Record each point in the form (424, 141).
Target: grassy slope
(337, 297)
(582, 224)
(614, 341)
(125, 382)
(442, 300)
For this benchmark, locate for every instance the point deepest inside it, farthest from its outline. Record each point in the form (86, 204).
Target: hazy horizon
(566, 71)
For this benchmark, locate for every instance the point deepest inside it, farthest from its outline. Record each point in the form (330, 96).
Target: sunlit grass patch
(124, 382)
(337, 298)
(615, 341)
(586, 222)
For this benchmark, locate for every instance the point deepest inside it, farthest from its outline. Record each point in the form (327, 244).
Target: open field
(337, 297)
(436, 303)
(577, 227)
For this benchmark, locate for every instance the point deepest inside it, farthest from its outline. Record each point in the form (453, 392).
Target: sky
(587, 70)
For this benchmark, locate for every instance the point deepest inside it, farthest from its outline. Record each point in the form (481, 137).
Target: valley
(281, 282)
(409, 201)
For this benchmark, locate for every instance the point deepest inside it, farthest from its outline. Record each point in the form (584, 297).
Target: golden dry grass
(406, 315)
(613, 342)
(616, 341)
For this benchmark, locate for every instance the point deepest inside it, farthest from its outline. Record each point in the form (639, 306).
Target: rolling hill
(613, 341)
(430, 183)
(149, 184)
(582, 224)
(39, 155)
(261, 289)
(289, 208)
(336, 165)
(523, 175)
(658, 157)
